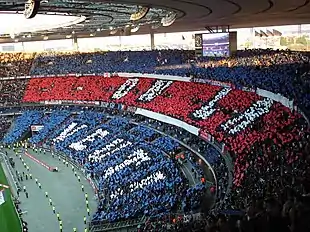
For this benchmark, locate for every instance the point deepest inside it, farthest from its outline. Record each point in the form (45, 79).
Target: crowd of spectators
(268, 142)
(22, 125)
(12, 92)
(135, 174)
(55, 116)
(100, 62)
(15, 64)
(241, 120)
(211, 154)
(283, 72)
(272, 197)
(5, 124)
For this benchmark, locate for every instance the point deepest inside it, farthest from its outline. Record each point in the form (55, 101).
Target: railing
(4, 158)
(107, 226)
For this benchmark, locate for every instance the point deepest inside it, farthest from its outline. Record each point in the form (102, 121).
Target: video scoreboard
(216, 44)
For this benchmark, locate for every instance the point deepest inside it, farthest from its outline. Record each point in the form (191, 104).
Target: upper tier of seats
(15, 64)
(283, 72)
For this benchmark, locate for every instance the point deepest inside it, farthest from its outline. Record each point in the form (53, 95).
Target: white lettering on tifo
(239, 123)
(154, 178)
(80, 146)
(109, 149)
(207, 110)
(155, 90)
(125, 88)
(136, 158)
(69, 131)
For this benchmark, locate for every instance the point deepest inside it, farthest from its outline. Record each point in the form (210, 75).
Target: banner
(81, 102)
(54, 102)
(204, 135)
(224, 148)
(131, 109)
(212, 82)
(39, 162)
(248, 89)
(106, 75)
(104, 104)
(2, 199)
(36, 127)
(59, 102)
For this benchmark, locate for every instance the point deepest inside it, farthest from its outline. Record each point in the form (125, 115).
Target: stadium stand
(5, 124)
(242, 120)
(268, 142)
(283, 72)
(15, 64)
(22, 125)
(111, 152)
(11, 92)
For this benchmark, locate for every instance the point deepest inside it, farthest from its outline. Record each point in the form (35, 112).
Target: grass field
(9, 221)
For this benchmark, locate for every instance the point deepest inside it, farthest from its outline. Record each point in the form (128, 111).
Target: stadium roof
(103, 18)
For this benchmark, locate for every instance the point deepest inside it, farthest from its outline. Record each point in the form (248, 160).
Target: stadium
(157, 116)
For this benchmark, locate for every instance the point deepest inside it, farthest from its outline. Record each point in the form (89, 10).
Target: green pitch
(9, 221)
